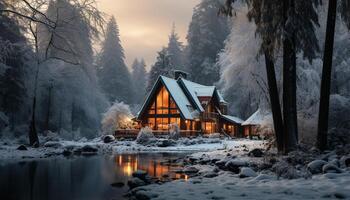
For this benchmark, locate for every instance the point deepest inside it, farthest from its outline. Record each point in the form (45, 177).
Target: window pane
(162, 123)
(175, 121)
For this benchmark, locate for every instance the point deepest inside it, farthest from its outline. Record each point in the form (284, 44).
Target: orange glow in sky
(145, 24)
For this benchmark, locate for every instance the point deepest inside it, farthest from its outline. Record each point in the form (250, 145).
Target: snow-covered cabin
(195, 108)
(257, 120)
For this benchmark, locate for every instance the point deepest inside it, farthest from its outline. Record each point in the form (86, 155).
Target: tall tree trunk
(274, 101)
(289, 84)
(48, 113)
(326, 77)
(33, 134)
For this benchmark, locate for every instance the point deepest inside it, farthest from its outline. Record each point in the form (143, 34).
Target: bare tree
(32, 14)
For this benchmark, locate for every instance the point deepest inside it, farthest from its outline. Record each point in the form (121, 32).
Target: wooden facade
(164, 107)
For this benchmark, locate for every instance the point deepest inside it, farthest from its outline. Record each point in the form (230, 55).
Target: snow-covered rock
(256, 153)
(165, 143)
(22, 148)
(190, 170)
(235, 165)
(135, 182)
(315, 167)
(210, 174)
(108, 138)
(330, 168)
(247, 172)
(53, 144)
(345, 161)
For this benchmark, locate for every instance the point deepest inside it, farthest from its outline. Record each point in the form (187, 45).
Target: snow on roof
(197, 90)
(233, 119)
(179, 96)
(258, 118)
(194, 90)
(221, 98)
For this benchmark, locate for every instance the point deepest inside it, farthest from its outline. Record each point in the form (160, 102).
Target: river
(99, 177)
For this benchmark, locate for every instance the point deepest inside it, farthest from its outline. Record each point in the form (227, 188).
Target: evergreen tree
(169, 59)
(161, 67)
(114, 76)
(206, 35)
(327, 67)
(175, 50)
(12, 64)
(139, 77)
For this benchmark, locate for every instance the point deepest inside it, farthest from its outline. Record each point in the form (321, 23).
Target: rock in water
(88, 150)
(22, 148)
(235, 165)
(315, 167)
(135, 182)
(256, 153)
(140, 174)
(108, 138)
(247, 172)
(118, 184)
(66, 153)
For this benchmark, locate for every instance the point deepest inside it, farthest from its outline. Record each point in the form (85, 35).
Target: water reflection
(80, 178)
(155, 166)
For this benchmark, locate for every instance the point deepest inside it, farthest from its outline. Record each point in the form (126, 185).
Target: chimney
(180, 74)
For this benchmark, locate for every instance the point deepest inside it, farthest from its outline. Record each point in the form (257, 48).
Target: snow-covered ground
(9, 151)
(230, 186)
(199, 145)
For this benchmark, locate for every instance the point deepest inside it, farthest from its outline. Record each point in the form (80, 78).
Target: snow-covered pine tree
(74, 89)
(242, 75)
(289, 25)
(114, 76)
(12, 69)
(206, 35)
(161, 67)
(139, 78)
(175, 50)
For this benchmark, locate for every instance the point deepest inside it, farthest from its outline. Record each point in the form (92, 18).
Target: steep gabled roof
(175, 91)
(232, 119)
(258, 118)
(190, 89)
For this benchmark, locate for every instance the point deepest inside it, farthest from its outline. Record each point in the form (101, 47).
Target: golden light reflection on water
(131, 163)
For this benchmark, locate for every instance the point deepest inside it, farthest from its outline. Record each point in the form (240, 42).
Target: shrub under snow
(174, 132)
(145, 136)
(117, 117)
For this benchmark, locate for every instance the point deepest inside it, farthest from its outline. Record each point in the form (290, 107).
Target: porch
(132, 133)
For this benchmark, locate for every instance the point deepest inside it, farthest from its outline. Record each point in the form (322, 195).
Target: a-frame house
(195, 108)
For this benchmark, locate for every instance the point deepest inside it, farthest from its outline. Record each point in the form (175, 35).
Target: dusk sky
(145, 24)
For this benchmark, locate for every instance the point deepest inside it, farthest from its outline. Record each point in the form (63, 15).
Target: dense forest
(290, 60)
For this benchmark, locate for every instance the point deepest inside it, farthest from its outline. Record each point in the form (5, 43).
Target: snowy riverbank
(241, 171)
(10, 149)
(229, 186)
